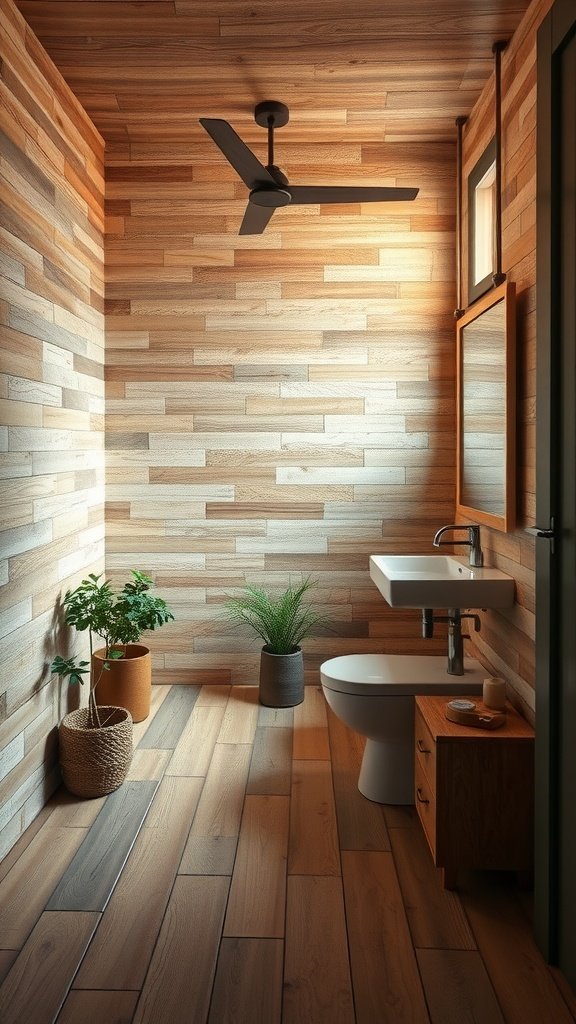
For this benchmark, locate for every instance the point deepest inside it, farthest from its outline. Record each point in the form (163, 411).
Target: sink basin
(439, 581)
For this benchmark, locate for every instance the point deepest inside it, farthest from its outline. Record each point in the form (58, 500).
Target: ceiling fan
(269, 186)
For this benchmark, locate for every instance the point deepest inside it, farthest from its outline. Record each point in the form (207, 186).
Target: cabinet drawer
(425, 801)
(425, 750)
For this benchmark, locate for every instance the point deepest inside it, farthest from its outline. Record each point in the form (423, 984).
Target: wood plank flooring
(257, 887)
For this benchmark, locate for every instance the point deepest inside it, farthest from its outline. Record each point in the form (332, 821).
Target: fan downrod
(271, 114)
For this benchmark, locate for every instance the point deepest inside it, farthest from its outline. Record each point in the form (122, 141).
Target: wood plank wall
(51, 397)
(506, 641)
(275, 405)
(278, 404)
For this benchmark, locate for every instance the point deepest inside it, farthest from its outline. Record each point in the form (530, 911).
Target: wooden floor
(239, 876)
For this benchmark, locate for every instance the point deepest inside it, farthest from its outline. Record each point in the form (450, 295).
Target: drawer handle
(421, 799)
(421, 747)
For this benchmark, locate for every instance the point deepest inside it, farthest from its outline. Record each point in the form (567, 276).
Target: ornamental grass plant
(282, 622)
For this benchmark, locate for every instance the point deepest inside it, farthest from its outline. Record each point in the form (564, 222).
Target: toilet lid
(399, 675)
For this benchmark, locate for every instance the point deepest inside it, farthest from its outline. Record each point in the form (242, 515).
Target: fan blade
(302, 194)
(252, 172)
(255, 219)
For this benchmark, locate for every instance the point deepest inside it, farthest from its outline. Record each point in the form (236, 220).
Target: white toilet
(374, 694)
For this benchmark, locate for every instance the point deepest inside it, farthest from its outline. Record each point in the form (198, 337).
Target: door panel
(567, 524)
(555, 895)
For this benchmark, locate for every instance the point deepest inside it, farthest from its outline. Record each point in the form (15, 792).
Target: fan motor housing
(270, 197)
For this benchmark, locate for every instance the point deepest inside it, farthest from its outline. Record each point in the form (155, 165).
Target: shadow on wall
(59, 639)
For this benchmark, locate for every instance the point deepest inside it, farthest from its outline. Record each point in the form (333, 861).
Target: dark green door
(555, 896)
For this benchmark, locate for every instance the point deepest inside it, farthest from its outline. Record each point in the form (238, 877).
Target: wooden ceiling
(350, 70)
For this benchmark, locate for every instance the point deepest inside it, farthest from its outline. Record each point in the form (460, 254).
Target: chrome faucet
(473, 542)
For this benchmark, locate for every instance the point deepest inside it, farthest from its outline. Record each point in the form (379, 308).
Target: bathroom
(273, 408)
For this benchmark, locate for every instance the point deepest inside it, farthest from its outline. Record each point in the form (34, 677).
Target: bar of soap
(461, 705)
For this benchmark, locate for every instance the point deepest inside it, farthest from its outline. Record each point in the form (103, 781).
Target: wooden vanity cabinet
(474, 790)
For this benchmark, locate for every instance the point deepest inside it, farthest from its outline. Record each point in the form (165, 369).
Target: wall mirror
(482, 223)
(486, 413)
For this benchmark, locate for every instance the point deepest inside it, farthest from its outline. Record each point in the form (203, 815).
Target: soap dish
(471, 716)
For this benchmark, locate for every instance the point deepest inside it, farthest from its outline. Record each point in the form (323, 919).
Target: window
(482, 223)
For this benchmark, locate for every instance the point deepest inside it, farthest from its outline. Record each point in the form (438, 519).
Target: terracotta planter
(128, 681)
(281, 679)
(95, 762)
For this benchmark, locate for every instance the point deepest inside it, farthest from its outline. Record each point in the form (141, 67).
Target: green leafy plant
(118, 618)
(281, 622)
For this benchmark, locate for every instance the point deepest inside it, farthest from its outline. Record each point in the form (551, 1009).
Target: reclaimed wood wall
(52, 398)
(277, 405)
(506, 641)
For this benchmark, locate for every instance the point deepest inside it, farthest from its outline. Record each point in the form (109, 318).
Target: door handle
(545, 534)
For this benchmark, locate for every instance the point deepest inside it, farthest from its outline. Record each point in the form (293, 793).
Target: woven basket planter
(127, 683)
(95, 761)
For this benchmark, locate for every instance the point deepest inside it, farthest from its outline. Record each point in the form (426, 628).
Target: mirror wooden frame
(505, 293)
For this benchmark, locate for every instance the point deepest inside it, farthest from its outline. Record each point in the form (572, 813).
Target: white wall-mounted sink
(439, 581)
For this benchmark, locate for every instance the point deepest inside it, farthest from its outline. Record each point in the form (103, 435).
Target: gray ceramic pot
(281, 679)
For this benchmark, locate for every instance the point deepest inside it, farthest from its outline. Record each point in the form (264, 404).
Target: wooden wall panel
(506, 641)
(277, 404)
(52, 401)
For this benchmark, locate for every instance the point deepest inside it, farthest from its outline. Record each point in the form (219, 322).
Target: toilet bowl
(374, 695)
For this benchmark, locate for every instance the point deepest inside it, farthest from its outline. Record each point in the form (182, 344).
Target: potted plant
(282, 622)
(120, 679)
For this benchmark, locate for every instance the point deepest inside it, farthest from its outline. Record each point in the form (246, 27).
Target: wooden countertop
(432, 710)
